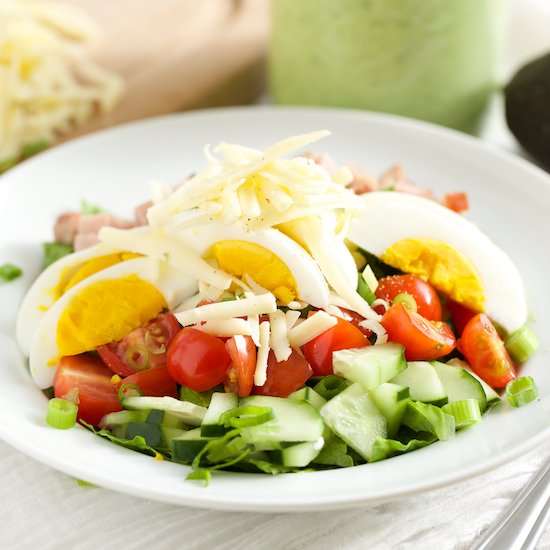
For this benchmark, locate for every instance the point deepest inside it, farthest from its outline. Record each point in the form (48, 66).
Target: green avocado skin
(528, 108)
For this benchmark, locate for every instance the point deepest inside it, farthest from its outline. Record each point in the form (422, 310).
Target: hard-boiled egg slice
(419, 236)
(54, 281)
(103, 308)
(273, 260)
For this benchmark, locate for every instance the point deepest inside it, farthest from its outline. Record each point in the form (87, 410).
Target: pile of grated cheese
(48, 84)
(256, 189)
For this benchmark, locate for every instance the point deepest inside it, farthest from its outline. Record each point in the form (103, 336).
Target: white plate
(510, 199)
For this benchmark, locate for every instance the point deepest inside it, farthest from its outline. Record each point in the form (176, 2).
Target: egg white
(174, 286)
(311, 285)
(40, 296)
(389, 217)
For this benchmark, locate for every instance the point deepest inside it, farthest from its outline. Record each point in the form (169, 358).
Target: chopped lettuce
(55, 251)
(9, 272)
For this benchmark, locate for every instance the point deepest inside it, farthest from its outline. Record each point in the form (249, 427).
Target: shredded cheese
(278, 340)
(253, 305)
(225, 327)
(312, 327)
(260, 374)
(291, 319)
(48, 84)
(254, 322)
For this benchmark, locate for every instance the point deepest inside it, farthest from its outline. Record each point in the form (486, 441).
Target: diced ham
(140, 212)
(363, 181)
(85, 240)
(94, 222)
(396, 179)
(66, 227)
(324, 161)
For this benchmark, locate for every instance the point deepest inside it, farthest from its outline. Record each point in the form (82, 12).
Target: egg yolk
(448, 270)
(106, 311)
(266, 268)
(72, 278)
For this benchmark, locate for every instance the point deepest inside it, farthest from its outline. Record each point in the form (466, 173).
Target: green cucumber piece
(122, 417)
(423, 417)
(423, 383)
(371, 365)
(392, 401)
(294, 421)
(459, 384)
(219, 404)
(354, 417)
(186, 446)
(299, 455)
(490, 394)
(186, 412)
(310, 395)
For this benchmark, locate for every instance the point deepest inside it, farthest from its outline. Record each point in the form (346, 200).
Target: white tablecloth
(42, 508)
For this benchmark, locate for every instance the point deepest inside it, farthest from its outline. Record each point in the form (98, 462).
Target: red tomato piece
(155, 382)
(197, 360)
(460, 315)
(143, 348)
(424, 294)
(240, 375)
(424, 340)
(90, 380)
(343, 335)
(284, 377)
(354, 318)
(456, 201)
(485, 352)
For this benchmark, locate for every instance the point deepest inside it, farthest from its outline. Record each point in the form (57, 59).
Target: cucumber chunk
(155, 435)
(220, 403)
(354, 417)
(186, 446)
(392, 401)
(299, 455)
(294, 421)
(423, 383)
(122, 417)
(310, 395)
(490, 394)
(187, 412)
(459, 384)
(371, 365)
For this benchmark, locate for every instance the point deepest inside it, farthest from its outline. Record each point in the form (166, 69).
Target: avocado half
(527, 99)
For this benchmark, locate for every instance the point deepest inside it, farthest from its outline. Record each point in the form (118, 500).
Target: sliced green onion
(90, 209)
(83, 483)
(521, 391)
(137, 356)
(330, 386)
(466, 412)
(521, 344)
(364, 290)
(200, 475)
(9, 272)
(407, 300)
(61, 413)
(129, 390)
(249, 415)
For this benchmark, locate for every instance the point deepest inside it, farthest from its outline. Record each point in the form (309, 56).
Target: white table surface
(43, 508)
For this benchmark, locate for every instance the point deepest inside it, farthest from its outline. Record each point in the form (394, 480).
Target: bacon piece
(66, 227)
(85, 240)
(140, 212)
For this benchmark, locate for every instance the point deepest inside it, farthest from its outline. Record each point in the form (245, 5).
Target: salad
(276, 314)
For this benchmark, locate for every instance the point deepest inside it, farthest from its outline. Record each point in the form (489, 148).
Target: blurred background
(69, 67)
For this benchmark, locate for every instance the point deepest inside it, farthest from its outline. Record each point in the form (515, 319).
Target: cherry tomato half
(87, 377)
(424, 340)
(355, 318)
(460, 314)
(156, 382)
(240, 375)
(424, 294)
(485, 351)
(284, 377)
(197, 360)
(343, 335)
(143, 348)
